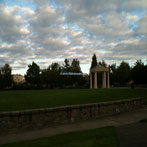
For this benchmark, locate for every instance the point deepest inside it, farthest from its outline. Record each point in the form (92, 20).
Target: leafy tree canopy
(123, 73)
(5, 76)
(75, 66)
(33, 74)
(66, 66)
(139, 72)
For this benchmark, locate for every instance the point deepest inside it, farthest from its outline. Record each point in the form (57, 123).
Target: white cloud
(11, 25)
(142, 25)
(131, 17)
(27, 12)
(72, 29)
(134, 4)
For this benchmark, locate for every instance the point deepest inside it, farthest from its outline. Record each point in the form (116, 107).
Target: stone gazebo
(95, 72)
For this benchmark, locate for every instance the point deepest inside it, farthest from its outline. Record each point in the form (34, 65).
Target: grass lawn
(21, 100)
(143, 120)
(101, 137)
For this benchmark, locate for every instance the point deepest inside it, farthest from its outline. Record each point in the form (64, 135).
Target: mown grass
(32, 99)
(100, 137)
(143, 120)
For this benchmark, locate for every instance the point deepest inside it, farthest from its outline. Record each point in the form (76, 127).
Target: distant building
(18, 79)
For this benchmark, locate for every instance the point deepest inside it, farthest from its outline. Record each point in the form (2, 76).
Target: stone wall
(18, 121)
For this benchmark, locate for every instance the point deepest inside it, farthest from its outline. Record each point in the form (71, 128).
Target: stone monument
(105, 76)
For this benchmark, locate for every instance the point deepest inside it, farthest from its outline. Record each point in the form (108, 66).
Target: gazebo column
(95, 80)
(108, 80)
(90, 79)
(104, 80)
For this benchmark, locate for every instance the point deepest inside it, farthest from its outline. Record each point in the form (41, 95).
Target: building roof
(99, 68)
(18, 78)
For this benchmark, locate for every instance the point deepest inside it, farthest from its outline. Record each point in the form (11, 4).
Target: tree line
(123, 74)
(50, 77)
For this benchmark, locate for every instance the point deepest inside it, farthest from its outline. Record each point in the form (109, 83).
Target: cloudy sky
(47, 31)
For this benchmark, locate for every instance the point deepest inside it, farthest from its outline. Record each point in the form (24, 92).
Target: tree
(33, 74)
(113, 70)
(123, 73)
(44, 77)
(75, 66)
(5, 76)
(139, 72)
(66, 66)
(144, 74)
(76, 80)
(66, 80)
(71, 80)
(103, 63)
(50, 77)
(55, 70)
(1, 80)
(94, 61)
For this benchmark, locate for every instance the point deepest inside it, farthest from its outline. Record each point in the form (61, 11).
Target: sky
(47, 31)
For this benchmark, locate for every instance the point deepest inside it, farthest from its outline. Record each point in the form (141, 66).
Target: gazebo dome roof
(99, 68)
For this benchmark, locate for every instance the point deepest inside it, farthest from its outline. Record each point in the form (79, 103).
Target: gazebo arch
(105, 80)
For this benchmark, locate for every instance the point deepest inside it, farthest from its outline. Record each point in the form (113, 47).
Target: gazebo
(94, 72)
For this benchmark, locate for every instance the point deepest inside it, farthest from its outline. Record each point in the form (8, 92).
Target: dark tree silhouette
(5, 77)
(139, 73)
(94, 61)
(123, 73)
(33, 74)
(66, 66)
(113, 70)
(75, 66)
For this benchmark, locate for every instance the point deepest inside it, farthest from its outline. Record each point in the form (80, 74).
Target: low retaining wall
(18, 121)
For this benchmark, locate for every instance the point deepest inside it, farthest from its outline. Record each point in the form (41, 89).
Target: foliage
(75, 66)
(123, 73)
(54, 74)
(51, 78)
(73, 80)
(5, 77)
(103, 63)
(139, 73)
(22, 86)
(143, 120)
(94, 61)
(113, 70)
(66, 66)
(1, 80)
(33, 74)
(44, 77)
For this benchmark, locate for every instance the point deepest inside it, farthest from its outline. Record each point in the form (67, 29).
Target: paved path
(117, 120)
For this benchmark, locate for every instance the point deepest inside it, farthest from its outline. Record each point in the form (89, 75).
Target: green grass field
(101, 137)
(21, 100)
(143, 120)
